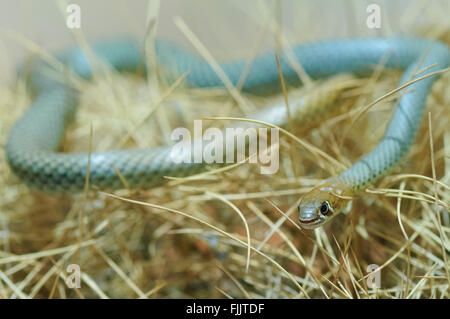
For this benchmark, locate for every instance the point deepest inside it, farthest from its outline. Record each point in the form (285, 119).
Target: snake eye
(325, 208)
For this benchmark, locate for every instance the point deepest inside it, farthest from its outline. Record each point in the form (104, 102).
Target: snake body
(37, 134)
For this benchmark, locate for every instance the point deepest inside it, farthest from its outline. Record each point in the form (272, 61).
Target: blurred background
(229, 29)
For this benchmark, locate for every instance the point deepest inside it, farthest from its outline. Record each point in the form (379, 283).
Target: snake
(32, 145)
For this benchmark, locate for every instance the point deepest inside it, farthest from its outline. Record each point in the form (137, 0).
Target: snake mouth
(309, 223)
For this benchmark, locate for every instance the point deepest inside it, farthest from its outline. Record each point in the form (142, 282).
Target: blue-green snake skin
(38, 133)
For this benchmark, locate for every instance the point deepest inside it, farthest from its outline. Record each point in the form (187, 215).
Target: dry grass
(189, 238)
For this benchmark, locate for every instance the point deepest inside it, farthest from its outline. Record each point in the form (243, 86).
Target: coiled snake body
(35, 137)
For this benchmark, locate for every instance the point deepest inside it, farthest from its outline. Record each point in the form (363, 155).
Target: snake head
(321, 204)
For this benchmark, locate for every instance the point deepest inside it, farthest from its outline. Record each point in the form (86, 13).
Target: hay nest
(165, 244)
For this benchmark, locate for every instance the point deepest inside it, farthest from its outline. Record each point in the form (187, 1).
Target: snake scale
(33, 140)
